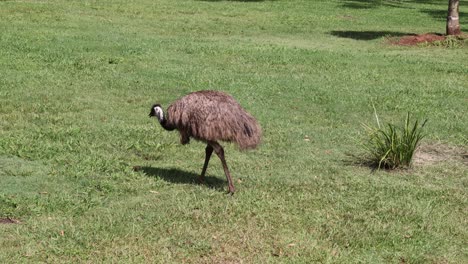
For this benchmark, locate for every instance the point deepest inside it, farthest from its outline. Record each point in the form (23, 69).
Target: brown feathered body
(213, 116)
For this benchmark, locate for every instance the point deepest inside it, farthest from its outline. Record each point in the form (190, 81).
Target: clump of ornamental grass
(390, 146)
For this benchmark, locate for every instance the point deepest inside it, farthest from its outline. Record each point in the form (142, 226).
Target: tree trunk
(453, 22)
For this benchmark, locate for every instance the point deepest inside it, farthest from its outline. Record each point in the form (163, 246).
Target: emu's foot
(231, 190)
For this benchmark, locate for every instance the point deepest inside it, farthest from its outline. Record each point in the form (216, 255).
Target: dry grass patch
(431, 153)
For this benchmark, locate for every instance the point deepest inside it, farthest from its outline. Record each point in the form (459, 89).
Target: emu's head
(157, 111)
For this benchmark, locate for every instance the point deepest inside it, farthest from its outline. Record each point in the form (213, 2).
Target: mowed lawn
(86, 176)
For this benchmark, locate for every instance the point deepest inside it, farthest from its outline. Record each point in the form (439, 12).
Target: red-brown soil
(412, 40)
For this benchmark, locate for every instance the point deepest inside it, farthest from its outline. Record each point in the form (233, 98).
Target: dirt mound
(412, 40)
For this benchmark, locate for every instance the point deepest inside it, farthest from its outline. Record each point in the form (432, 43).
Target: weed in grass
(7, 206)
(447, 42)
(390, 146)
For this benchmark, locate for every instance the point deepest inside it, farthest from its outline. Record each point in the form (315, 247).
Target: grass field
(77, 79)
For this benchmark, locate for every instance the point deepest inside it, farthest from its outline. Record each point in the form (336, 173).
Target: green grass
(77, 79)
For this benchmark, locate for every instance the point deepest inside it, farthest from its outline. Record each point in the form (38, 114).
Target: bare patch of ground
(438, 152)
(9, 220)
(428, 38)
(412, 40)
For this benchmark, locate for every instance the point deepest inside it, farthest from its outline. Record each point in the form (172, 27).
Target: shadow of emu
(178, 176)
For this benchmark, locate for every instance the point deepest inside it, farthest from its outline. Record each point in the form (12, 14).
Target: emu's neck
(165, 125)
(163, 120)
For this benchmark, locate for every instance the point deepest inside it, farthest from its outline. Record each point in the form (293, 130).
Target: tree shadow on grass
(441, 15)
(368, 35)
(368, 4)
(178, 176)
(235, 0)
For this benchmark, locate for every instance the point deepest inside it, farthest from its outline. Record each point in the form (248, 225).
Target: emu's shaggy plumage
(210, 116)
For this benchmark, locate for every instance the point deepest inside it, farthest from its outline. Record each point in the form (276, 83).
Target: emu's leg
(208, 152)
(220, 152)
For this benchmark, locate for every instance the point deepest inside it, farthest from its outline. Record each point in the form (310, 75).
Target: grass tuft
(390, 146)
(450, 42)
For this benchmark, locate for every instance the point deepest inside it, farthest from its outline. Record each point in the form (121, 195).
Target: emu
(210, 116)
